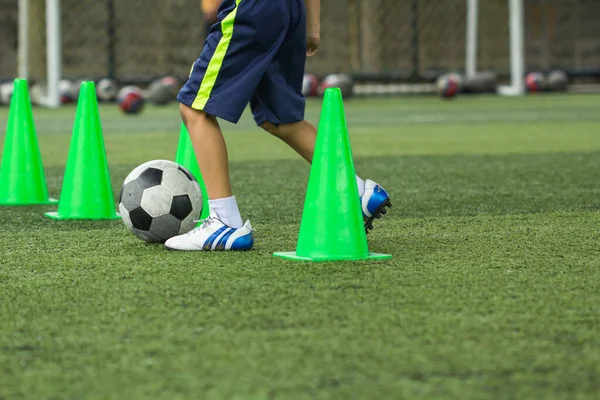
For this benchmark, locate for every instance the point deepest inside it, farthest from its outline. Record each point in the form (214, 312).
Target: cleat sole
(377, 215)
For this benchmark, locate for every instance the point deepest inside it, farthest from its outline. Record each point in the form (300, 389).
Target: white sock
(227, 211)
(361, 185)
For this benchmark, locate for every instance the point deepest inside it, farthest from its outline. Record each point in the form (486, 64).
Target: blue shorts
(254, 54)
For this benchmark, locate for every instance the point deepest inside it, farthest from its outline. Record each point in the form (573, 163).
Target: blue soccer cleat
(213, 235)
(374, 202)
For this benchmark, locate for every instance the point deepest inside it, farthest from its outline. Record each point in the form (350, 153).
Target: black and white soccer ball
(66, 91)
(6, 91)
(107, 89)
(160, 199)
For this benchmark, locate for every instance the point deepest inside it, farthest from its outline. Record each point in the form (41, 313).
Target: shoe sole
(382, 210)
(208, 251)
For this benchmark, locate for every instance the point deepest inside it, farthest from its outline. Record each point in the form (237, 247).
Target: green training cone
(332, 226)
(187, 158)
(86, 191)
(22, 180)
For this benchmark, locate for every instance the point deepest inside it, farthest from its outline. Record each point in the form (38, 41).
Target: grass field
(493, 291)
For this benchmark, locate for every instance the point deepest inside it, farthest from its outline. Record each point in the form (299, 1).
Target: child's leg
(278, 107)
(222, 82)
(302, 136)
(211, 151)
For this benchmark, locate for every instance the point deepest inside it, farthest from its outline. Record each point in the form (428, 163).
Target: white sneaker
(213, 235)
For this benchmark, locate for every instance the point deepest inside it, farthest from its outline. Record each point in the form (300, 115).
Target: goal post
(53, 50)
(472, 42)
(517, 50)
(23, 40)
(517, 45)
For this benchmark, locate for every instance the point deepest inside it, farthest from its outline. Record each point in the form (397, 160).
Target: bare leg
(300, 136)
(211, 151)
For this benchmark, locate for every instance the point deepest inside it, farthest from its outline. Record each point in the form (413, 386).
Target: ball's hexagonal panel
(165, 227)
(157, 201)
(175, 181)
(181, 207)
(131, 195)
(125, 216)
(146, 236)
(140, 219)
(187, 173)
(151, 177)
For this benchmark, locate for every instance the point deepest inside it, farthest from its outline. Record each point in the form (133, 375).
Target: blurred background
(137, 41)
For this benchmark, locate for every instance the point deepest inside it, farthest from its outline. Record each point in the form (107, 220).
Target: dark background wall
(141, 39)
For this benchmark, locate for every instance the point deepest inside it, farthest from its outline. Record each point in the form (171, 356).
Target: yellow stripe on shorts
(214, 66)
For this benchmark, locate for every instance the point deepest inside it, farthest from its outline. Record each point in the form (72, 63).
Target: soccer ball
(535, 82)
(160, 199)
(342, 81)
(163, 91)
(66, 91)
(107, 89)
(558, 81)
(310, 84)
(6, 91)
(172, 83)
(449, 85)
(132, 103)
(130, 99)
(125, 90)
(159, 93)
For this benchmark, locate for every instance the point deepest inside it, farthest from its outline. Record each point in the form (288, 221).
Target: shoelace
(205, 223)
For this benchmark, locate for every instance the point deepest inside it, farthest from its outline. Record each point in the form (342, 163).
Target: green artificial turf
(493, 291)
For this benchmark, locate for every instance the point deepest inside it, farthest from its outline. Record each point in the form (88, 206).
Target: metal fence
(136, 40)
